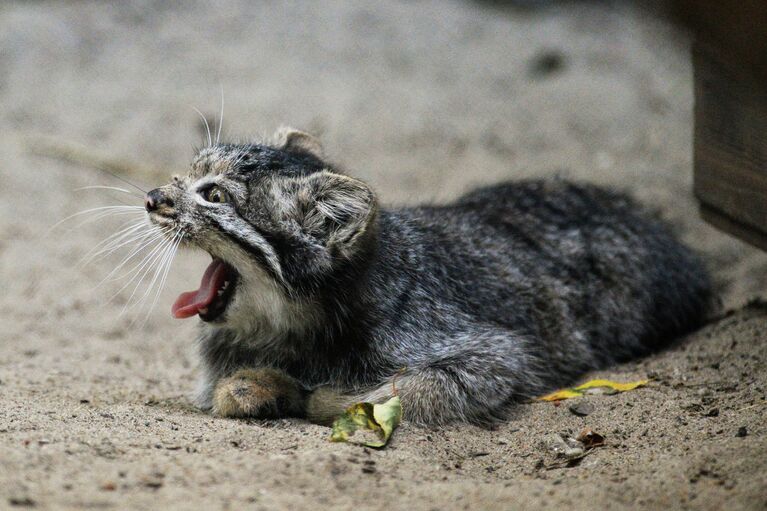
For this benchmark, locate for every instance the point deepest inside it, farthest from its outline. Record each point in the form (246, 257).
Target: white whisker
(157, 268)
(112, 188)
(207, 126)
(156, 255)
(137, 269)
(91, 210)
(154, 236)
(220, 117)
(106, 214)
(147, 249)
(171, 253)
(143, 239)
(126, 229)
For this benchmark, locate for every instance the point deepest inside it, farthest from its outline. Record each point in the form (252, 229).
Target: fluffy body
(510, 291)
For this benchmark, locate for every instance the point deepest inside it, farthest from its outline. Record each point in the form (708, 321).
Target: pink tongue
(188, 304)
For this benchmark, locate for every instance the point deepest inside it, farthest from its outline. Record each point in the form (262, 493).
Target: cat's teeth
(204, 310)
(226, 285)
(220, 291)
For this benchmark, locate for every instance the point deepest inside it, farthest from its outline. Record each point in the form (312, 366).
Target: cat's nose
(156, 199)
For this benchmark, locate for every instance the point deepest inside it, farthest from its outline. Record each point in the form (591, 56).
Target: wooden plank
(736, 27)
(730, 149)
(729, 225)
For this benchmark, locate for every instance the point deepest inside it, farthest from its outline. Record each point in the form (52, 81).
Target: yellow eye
(216, 194)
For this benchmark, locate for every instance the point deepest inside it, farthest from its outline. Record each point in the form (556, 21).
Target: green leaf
(380, 419)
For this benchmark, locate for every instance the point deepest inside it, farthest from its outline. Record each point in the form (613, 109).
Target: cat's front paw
(265, 393)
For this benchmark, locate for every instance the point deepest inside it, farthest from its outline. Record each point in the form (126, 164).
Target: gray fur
(510, 291)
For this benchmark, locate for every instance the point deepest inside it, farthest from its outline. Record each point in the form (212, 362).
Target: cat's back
(552, 204)
(555, 219)
(590, 257)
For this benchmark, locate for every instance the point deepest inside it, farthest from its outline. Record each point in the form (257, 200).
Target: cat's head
(277, 220)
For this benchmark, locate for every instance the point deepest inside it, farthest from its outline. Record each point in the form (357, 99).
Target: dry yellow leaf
(593, 387)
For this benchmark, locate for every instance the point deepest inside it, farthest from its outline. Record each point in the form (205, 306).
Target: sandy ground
(424, 100)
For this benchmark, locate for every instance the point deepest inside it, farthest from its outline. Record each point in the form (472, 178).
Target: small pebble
(582, 408)
(742, 431)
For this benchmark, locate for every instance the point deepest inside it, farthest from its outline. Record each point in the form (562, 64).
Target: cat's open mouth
(213, 296)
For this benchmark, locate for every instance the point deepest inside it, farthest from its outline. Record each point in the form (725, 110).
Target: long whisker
(112, 238)
(152, 238)
(220, 117)
(113, 188)
(164, 278)
(158, 268)
(91, 210)
(146, 266)
(142, 238)
(156, 237)
(121, 201)
(167, 269)
(132, 254)
(122, 179)
(207, 126)
(155, 268)
(106, 214)
(129, 225)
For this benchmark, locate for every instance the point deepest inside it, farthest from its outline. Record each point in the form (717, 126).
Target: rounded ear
(293, 140)
(336, 209)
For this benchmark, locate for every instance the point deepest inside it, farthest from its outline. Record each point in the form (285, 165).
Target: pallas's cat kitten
(317, 297)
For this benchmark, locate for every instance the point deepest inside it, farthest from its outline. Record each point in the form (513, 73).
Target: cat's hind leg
(476, 378)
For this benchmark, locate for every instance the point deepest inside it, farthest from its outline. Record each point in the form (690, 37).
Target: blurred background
(424, 100)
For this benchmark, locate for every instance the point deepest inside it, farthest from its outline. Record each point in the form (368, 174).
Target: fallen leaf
(593, 387)
(568, 448)
(561, 394)
(380, 419)
(619, 387)
(567, 451)
(590, 439)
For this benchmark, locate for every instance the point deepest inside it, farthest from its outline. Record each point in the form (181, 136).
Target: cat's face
(276, 221)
